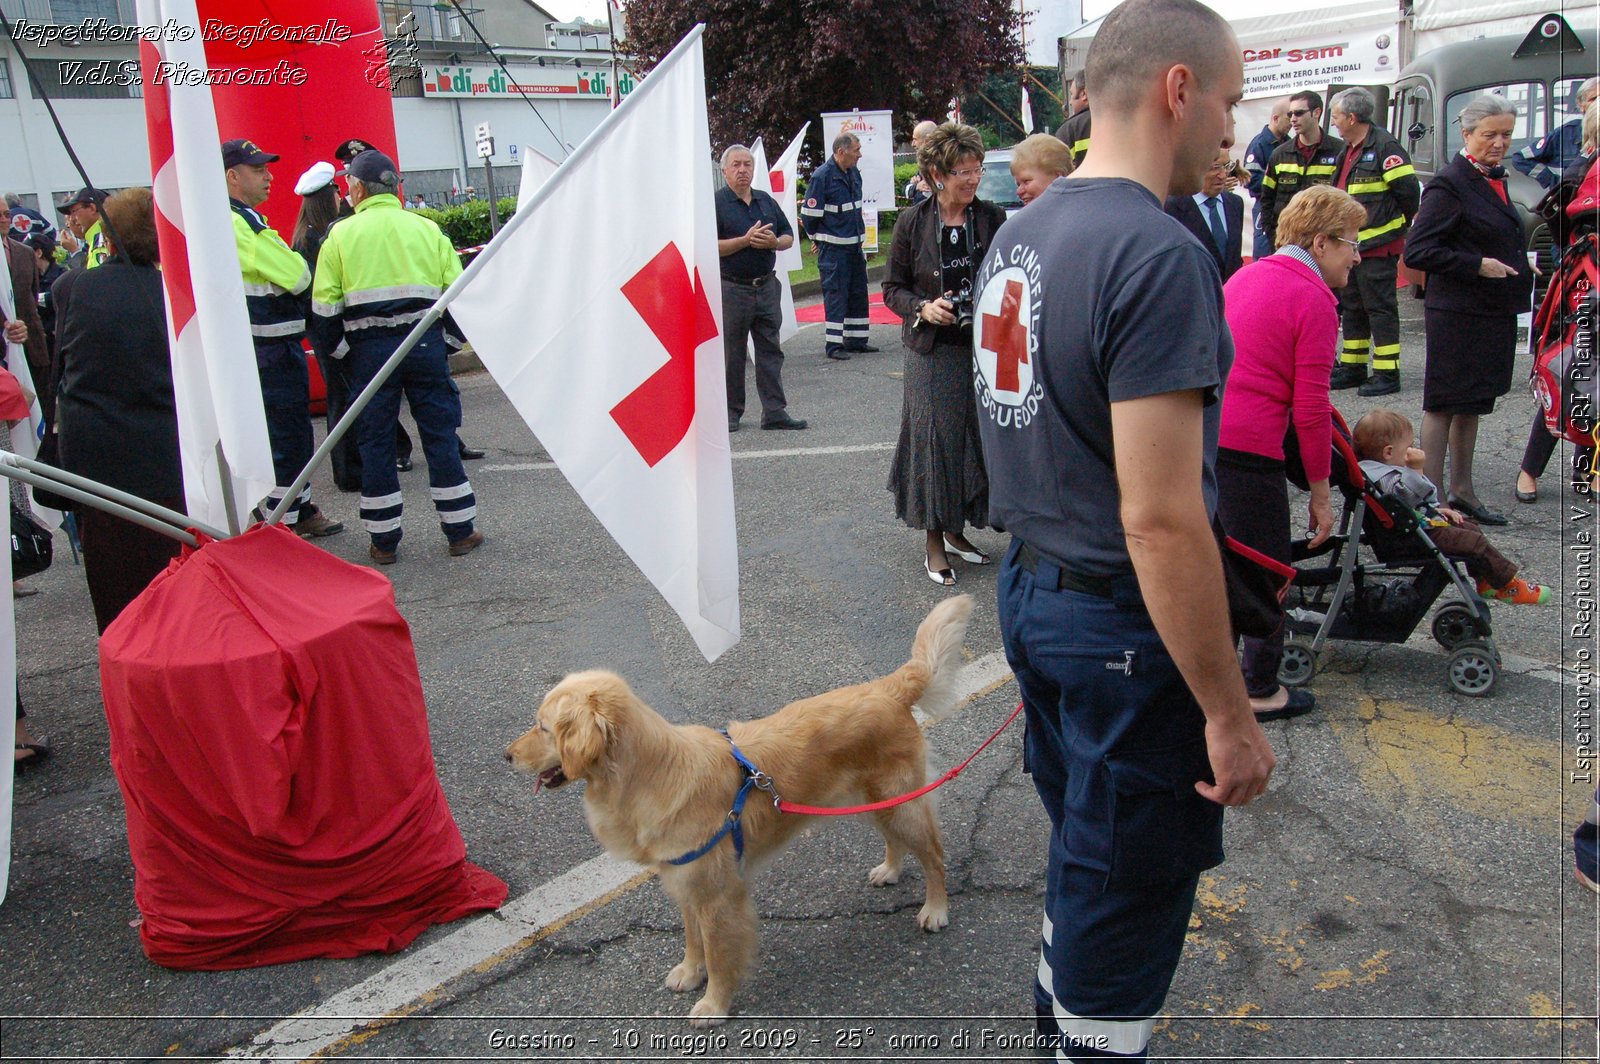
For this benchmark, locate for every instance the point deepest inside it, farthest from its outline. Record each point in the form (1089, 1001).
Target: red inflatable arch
(343, 94)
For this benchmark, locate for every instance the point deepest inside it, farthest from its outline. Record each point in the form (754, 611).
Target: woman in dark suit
(938, 478)
(1468, 239)
(117, 419)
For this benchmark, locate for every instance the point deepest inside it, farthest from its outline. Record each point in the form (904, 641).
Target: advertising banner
(875, 130)
(491, 81)
(1369, 56)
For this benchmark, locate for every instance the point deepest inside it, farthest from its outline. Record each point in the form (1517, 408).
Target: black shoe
(839, 355)
(1348, 375)
(733, 424)
(867, 349)
(785, 422)
(468, 454)
(1479, 512)
(1300, 703)
(1382, 382)
(404, 465)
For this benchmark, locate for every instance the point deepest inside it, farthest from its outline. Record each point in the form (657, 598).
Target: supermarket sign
(464, 81)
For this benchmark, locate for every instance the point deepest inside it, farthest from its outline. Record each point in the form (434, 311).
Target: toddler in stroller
(1383, 441)
(1380, 574)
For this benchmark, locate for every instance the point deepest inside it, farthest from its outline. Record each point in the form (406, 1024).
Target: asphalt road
(1404, 891)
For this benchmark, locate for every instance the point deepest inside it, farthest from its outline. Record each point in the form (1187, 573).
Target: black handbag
(32, 546)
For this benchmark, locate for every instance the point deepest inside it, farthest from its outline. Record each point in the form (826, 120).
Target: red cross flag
(770, 181)
(214, 380)
(602, 326)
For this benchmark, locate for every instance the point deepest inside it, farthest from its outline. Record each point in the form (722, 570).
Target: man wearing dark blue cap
(378, 274)
(276, 279)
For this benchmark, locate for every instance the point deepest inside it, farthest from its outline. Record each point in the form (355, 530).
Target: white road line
(415, 979)
(738, 456)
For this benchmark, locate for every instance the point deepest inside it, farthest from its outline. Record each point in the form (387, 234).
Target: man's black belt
(1099, 586)
(753, 282)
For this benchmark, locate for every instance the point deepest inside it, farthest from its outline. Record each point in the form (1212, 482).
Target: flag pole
(175, 526)
(442, 304)
(60, 477)
(230, 505)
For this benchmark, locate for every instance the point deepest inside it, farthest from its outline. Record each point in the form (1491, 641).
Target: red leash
(888, 803)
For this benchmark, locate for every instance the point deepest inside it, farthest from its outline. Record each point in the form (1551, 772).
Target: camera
(962, 306)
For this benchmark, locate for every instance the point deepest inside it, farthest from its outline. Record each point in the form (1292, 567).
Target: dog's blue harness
(753, 777)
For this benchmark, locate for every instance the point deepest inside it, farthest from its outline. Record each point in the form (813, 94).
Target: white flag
(1027, 110)
(25, 435)
(604, 331)
(784, 180)
(8, 682)
(787, 325)
(214, 378)
(537, 168)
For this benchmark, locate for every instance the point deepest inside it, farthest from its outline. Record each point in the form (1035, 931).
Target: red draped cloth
(269, 735)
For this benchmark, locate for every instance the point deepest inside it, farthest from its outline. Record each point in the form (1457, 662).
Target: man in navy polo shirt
(751, 230)
(1101, 351)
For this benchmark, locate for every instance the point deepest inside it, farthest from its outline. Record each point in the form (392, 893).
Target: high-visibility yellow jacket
(1383, 181)
(379, 271)
(276, 278)
(94, 241)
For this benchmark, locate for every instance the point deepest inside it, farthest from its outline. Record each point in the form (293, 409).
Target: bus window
(1413, 124)
(1526, 96)
(1566, 101)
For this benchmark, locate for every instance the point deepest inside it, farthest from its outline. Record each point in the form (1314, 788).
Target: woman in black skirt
(1468, 239)
(938, 479)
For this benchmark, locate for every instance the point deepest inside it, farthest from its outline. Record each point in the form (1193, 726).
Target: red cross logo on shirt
(657, 414)
(1007, 337)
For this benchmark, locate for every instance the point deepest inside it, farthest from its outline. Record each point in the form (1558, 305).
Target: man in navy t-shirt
(1101, 353)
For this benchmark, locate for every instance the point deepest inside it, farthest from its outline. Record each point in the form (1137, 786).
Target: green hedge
(467, 224)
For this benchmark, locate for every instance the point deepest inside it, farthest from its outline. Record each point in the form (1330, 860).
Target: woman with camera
(938, 479)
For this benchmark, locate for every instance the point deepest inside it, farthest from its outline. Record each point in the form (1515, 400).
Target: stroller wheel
(1454, 624)
(1297, 665)
(1473, 669)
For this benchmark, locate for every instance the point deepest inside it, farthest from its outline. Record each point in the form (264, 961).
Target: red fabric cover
(270, 739)
(13, 401)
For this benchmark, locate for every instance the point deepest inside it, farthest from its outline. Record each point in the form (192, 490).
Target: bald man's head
(920, 132)
(1142, 39)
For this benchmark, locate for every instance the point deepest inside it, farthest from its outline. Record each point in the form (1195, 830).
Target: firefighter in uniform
(1307, 158)
(378, 273)
(1074, 133)
(1378, 174)
(276, 280)
(831, 217)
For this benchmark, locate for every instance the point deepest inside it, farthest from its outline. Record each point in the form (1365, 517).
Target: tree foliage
(772, 66)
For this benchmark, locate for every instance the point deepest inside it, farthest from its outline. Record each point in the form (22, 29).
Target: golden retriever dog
(658, 791)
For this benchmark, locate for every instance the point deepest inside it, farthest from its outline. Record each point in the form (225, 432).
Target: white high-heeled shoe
(973, 556)
(943, 577)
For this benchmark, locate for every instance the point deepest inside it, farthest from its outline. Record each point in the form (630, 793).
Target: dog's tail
(936, 653)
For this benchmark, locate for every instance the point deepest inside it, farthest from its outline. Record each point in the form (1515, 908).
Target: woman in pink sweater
(1285, 327)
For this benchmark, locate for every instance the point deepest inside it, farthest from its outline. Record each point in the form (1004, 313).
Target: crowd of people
(1166, 377)
(93, 328)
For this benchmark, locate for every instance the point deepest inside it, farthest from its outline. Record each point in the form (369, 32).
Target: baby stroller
(1337, 595)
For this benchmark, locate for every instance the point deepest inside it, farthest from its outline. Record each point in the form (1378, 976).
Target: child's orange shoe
(1519, 593)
